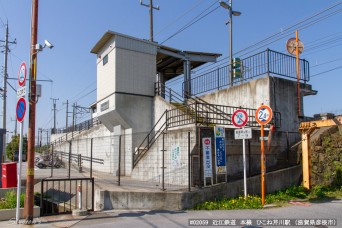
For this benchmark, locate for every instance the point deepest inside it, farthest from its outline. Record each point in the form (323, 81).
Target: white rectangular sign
(207, 158)
(175, 156)
(243, 133)
(21, 92)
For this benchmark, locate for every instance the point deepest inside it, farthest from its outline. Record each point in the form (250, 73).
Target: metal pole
(151, 20)
(244, 168)
(231, 42)
(69, 159)
(73, 120)
(19, 173)
(28, 209)
(66, 121)
(189, 155)
(186, 82)
(119, 166)
(54, 114)
(151, 8)
(163, 163)
(298, 73)
(263, 170)
(91, 158)
(188, 69)
(52, 160)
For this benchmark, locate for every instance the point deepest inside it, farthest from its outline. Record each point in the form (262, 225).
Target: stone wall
(326, 156)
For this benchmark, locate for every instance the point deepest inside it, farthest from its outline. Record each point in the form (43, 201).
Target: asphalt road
(314, 214)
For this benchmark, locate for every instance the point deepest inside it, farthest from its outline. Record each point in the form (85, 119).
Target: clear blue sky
(74, 26)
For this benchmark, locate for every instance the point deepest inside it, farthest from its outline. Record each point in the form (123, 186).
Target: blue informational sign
(220, 150)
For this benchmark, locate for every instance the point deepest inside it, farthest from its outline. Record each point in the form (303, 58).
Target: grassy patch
(278, 198)
(10, 200)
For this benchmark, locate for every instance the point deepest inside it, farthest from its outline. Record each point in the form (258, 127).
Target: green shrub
(254, 202)
(10, 200)
(251, 202)
(319, 191)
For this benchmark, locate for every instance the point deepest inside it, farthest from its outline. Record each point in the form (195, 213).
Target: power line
(179, 17)
(324, 72)
(281, 34)
(193, 21)
(290, 28)
(326, 62)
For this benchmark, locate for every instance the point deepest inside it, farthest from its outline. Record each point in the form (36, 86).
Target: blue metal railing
(264, 63)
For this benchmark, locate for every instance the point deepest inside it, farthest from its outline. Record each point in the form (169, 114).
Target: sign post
(240, 119)
(220, 151)
(263, 116)
(207, 160)
(20, 113)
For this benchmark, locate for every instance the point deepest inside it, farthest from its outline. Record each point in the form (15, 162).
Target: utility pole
(54, 114)
(151, 7)
(66, 120)
(15, 125)
(77, 110)
(40, 137)
(4, 104)
(29, 198)
(73, 119)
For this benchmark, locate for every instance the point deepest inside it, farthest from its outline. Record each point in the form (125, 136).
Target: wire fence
(173, 163)
(165, 167)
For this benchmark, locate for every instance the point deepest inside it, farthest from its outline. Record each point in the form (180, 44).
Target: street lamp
(231, 14)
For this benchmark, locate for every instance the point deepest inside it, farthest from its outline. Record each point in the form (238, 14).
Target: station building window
(105, 59)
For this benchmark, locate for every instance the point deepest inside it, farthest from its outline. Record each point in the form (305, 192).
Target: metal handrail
(86, 125)
(266, 62)
(151, 137)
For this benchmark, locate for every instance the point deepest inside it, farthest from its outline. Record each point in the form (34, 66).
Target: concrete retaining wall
(9, 214)
(107, 200)
(176, 168)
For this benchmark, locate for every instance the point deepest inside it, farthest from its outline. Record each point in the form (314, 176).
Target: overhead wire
(304, 26)
(324, 72)
(193, 21)
(327, 62)
(179, 17)
(282, 34)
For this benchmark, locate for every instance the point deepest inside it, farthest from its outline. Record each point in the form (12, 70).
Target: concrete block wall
(176, 170)
(103, 148)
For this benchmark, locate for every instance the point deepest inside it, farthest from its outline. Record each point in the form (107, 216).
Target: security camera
(48, 44)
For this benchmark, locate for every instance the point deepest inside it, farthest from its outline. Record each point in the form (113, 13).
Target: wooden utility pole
(151, 7)
(29, 198)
